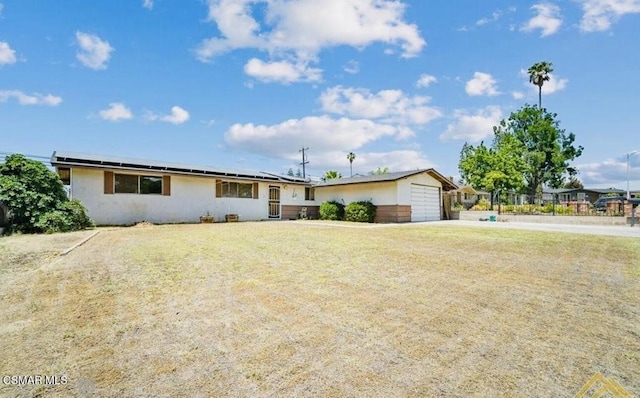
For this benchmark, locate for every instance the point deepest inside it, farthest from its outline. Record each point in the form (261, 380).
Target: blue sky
(246, 83)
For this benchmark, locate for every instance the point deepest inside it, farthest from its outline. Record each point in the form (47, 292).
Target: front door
(274, 202)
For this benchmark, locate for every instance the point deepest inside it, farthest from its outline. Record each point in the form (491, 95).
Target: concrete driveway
(626, 231)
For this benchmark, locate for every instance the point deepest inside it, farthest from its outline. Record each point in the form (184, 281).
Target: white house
(403, 196)
(119, 191)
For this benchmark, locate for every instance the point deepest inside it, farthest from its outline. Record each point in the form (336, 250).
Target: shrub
(331, 211)
(71, 216)
(482, 205)
(36, 198)
(364, 211)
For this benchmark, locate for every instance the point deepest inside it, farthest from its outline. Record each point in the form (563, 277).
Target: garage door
(425, 203)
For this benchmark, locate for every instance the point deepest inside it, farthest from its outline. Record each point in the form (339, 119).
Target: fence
(546, 204)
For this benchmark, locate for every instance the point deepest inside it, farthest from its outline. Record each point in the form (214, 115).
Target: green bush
(36, 198)
(482, 205)
(364, 211)
(331, 211)
(71, 216)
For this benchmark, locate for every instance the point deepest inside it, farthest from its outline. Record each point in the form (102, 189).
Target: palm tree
(351, 156)
(331, 175)
(538, 74)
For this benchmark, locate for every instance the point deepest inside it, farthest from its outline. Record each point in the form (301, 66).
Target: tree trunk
(539, 97)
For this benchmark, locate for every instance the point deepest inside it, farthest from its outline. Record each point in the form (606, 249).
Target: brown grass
(271, 309)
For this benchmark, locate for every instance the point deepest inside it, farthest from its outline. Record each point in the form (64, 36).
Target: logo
(598, 386)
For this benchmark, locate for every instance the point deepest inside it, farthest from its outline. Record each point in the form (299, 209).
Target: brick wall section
(290, 212)
(393, 213)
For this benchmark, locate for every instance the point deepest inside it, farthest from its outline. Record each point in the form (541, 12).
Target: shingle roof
(63, 158)
(394, 176)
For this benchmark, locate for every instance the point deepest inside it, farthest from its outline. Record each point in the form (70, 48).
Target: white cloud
(94, 52)
(148, 4)
(116, 111)
(298, 30)
(611, 173)
(482, 84)
(352, 67)
(554, 83)
(517, 95)
(396, 160)
(473, 127)
(599, 15)
(281, 71)
(547, 19)
(34, 99)
(388, 105)
(177, 116)
(426, 80)
(323, 134)
(7, 54)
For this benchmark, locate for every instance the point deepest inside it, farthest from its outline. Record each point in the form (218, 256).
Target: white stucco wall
(379, 193)
(190, 198)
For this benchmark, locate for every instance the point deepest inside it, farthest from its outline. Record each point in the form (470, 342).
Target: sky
(245, 84)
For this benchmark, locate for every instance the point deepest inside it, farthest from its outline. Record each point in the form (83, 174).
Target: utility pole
(304, 162)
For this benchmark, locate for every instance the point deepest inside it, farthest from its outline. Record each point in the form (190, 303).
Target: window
(65, 175)
(309, 194)
(244, 190)
(150, 185)
(130, 183)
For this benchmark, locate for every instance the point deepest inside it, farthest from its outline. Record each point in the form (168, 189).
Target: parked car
(601, 203)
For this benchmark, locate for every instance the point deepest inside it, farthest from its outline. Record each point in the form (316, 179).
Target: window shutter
(166, 185)
(255, 190)
(218, 188)
(108, 182)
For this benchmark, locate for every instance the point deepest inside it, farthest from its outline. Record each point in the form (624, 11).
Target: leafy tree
(331, 175)
(529, 149)
(351, 157)
(573, 183)
(36, 198)
(494, 168)
(298, 173)
(379, 171)
(546, 148)
(538, 74)
(290, 172)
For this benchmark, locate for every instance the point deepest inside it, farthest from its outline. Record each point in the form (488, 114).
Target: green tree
(379, 171)
(494, 168)
(290, 172)
(573, 183)
(36, 198)
(544, 147)
(538, 74)
(351, 157)
(299, 173)
(331, 175)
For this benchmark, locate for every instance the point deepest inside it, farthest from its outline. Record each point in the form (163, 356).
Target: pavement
(610, 230)
(607, 230)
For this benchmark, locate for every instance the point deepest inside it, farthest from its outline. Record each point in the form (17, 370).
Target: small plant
(482, 205)
(363, 211)
(458, 206)
(332, 210)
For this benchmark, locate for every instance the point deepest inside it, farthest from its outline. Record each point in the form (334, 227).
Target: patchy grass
(305, 308)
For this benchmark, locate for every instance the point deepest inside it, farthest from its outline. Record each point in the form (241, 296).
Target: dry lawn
(304, 309)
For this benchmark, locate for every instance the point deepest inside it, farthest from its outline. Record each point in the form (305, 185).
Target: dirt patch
(280, 309)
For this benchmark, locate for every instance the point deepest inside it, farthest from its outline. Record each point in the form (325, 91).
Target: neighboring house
(565, 195)
(403, 196)
(120, 191)
(468, 196)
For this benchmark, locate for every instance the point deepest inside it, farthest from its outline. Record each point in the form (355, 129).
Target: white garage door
(425, 203)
